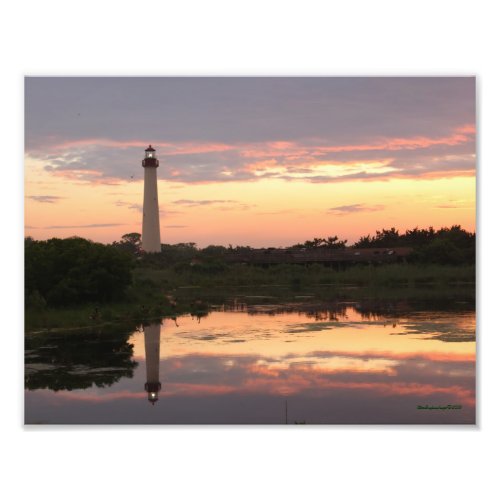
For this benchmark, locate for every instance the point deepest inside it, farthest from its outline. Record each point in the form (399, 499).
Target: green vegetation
(294, 275)
(330, 242)
(76, 282)
(447, 246)
(74, 271)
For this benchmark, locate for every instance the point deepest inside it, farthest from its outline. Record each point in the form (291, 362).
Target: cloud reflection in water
(238, 368)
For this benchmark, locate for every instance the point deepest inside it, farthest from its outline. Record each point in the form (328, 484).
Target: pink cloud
(311, 160)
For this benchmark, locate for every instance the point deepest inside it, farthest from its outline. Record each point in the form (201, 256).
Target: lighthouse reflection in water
(345, 363)
(152, 348)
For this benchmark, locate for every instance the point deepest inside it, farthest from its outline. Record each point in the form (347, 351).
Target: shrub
(75, 270)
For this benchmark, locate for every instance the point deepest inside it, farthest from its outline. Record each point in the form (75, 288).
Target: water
(292, 363)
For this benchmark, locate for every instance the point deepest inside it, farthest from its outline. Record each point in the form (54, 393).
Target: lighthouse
(152, 348)
(150, 212)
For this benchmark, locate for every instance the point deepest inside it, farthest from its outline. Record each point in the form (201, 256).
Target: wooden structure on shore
(320, 255)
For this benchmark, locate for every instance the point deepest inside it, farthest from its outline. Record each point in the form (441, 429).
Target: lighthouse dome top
(150, 158)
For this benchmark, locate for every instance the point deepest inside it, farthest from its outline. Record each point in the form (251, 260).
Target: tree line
(448, 245)
(61, 272)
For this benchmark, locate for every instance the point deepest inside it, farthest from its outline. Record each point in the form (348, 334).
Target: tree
(214, 251)
(453, 245)
(383, 238)
(75, 270)
(330, 242)
(363, 242)
(130, 242)
(441, 251)
(334, 242)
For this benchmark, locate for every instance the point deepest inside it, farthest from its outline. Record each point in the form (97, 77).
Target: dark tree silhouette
(452, 245)
(75, 270)
(331, 242)
(130, 242)
(60, 361)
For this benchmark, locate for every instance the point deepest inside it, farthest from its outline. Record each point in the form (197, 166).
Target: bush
(36, 301)
(75, 271)
(441, 251)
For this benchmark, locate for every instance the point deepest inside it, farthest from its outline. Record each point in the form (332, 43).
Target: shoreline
(149, 299)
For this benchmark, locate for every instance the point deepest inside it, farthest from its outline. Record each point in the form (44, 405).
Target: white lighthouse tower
(152, 348)
(150, 211)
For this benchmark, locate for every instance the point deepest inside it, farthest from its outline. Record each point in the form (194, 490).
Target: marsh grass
(171, 291)
(315, 274)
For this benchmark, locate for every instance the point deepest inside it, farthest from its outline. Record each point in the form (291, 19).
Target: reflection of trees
(447, 328)
(448, 321)
(77, 360)
(334, 310)
(412, 313)
(320, 312)
(198, 315)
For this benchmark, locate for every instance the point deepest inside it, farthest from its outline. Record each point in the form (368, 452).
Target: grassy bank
(192, 289)
(315, 274)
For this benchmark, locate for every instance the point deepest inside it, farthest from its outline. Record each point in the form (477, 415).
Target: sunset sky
(249, 161)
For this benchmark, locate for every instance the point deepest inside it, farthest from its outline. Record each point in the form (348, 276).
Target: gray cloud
(275, 212)
(244, 109)
(168, 211)
(46, 199)
(196, 203)
(131, 206)
(83, 226)
(358, 207)
(225, 205)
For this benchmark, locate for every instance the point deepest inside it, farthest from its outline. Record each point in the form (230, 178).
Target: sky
(249, 161)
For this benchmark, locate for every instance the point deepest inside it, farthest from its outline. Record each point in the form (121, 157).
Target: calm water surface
(268, 364)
